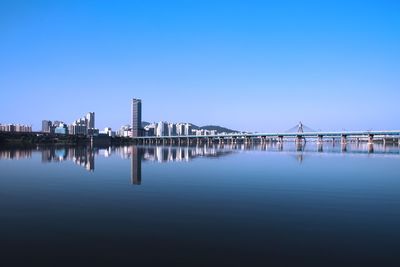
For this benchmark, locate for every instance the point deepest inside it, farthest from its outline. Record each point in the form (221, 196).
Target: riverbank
(15, 138)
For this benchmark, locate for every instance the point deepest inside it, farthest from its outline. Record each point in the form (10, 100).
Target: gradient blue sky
(247, 65)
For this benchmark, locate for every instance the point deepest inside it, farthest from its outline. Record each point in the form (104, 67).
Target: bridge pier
(299, 146)
(344, 147)
(370, 148)
(370, 139)
(320, 139)
(320, 147)
(263, 140)
(343, 139)
(280, 139)
(299, 139)
(280, 146)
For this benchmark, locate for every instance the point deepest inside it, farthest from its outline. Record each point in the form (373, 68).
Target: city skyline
(247, 66)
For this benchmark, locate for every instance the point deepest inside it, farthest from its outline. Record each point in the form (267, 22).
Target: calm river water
(206, 206)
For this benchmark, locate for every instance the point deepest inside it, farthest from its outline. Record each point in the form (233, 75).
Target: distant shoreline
(34, 138)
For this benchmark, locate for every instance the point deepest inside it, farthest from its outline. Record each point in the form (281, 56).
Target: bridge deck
(304, 134)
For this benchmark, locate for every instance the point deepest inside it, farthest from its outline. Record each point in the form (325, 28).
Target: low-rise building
(61, 129)
(15, 128)
(108, 131)
(125, 131)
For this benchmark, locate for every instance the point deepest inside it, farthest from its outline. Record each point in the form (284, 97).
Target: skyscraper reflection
(85, 155)
(136, 165)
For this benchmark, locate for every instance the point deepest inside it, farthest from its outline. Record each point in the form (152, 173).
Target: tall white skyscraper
(90, 120)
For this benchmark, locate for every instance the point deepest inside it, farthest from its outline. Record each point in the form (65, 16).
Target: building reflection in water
(166, 154)
(85, 155)
(80, 155)
(181, 153)
(20, 153)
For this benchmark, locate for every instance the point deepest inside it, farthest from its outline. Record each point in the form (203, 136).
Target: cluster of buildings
(21, 128)
(82, 126)
(163, 128)
(125, 131)
(54, 127)
(86, 126)
(204, 132)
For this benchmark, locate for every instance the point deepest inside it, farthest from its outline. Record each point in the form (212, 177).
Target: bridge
(301, 135)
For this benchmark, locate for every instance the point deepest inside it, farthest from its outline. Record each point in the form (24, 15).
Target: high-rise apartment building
(188, 129)
(136, 117)
(78, 127)
(180, 129)
(46, 126)
(90, 120)
(171, 129)
(162, 129)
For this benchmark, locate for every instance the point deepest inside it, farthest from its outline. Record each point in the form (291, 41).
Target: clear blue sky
(247, 65)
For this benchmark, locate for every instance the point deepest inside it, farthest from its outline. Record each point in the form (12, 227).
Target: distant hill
(145, 123)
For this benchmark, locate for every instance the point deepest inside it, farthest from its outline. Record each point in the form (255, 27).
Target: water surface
(231, 205)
